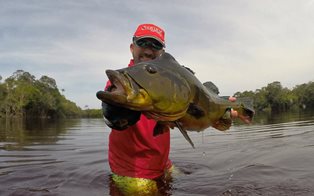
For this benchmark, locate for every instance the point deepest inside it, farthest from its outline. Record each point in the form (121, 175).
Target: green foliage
(305, 94)
(279, 98)
(92, 113)
(276, 98)
(21, 95)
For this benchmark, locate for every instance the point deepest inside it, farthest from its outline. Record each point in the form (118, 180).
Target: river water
(273, 156)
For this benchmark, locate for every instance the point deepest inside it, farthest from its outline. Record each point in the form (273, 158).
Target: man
(136, 157)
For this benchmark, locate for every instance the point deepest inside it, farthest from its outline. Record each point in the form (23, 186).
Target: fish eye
(151, 69)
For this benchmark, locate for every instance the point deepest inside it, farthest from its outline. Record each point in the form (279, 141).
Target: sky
(239, 45)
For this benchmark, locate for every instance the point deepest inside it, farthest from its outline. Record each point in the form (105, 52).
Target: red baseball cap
(150, 31)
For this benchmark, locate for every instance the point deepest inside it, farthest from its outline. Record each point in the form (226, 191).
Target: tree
(48, 82)
(22, 95)
(279, 98)
(260, 99)
(305, 95)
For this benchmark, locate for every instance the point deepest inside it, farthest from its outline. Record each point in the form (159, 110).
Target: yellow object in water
(140, 186)
(135, 186)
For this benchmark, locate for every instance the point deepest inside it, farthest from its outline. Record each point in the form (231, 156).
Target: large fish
(168, 92)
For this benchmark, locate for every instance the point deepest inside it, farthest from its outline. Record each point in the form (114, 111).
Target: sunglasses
(145, 43)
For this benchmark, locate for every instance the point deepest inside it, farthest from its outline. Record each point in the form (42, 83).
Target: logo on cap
(150, 31)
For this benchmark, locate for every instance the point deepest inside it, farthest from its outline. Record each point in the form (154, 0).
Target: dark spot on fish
(195, 110)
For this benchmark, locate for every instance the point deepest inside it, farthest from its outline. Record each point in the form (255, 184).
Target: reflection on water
(274, 156)
(17, 133)
(275, 118)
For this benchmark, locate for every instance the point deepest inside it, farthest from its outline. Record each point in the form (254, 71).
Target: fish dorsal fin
(211, 87)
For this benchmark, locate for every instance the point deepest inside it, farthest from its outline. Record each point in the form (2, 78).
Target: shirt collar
(131, 63)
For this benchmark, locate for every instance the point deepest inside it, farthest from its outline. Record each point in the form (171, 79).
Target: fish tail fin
(247, 106)
(247, 102)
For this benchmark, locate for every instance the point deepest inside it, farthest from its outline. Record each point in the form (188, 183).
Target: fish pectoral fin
(184, 133)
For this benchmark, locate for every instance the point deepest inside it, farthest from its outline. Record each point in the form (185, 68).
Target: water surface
(274, 156)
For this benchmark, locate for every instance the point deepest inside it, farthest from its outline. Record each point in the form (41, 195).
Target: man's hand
(119, 118)
(225, 121)
(234, 114)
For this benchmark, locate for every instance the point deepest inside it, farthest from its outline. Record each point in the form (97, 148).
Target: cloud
(239, 45)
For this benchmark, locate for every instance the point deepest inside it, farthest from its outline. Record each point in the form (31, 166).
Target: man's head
(148, 42)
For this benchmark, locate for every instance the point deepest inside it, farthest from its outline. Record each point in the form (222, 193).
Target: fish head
(162, 93)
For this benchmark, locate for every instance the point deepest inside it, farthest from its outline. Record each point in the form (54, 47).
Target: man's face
(145, 49)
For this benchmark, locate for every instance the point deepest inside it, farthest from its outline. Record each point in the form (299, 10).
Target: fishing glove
(119, 118)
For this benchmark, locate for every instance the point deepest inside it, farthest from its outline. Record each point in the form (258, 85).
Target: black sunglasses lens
(157, 45)
(140, 43)
(146, 43)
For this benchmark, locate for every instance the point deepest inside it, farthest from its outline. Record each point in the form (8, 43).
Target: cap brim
(156, 38)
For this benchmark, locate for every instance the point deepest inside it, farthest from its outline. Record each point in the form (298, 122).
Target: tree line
(22, 95)
(276, 98)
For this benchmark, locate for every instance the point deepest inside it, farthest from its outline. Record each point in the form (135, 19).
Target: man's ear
(131, 47)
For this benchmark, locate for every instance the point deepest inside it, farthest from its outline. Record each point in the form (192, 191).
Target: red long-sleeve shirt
(135, 152)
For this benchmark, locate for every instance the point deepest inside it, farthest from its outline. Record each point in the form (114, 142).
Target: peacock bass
(169, 93)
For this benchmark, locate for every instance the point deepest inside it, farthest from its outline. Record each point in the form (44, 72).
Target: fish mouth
(120, 84)
(124, 91)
